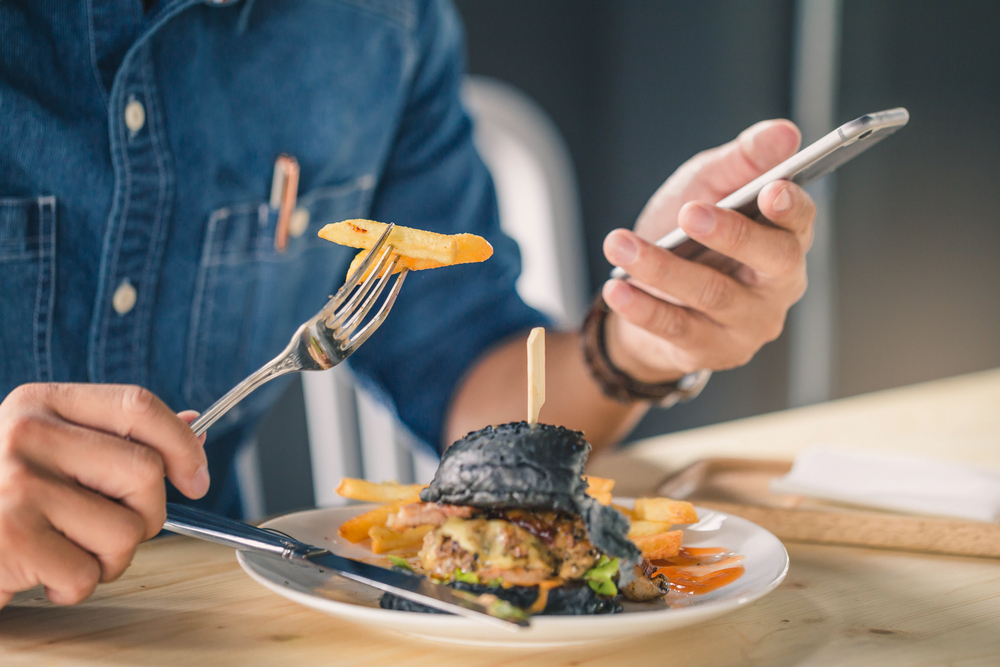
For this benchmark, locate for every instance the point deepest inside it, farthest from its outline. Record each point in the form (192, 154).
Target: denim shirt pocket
(250, 298)
(27, 297)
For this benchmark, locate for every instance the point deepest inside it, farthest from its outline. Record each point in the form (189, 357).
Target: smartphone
(812, 162)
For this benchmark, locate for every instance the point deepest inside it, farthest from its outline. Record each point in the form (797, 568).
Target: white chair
(352, 435)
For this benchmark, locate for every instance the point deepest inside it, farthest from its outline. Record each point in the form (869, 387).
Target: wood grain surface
(187, 603)
(872, 529)
(741, 487)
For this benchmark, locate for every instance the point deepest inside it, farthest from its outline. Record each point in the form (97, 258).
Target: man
(139, 275)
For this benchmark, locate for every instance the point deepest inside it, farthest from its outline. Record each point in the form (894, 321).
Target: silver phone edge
(842, 136)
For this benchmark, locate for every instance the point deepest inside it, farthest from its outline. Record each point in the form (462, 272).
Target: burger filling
(509, 547)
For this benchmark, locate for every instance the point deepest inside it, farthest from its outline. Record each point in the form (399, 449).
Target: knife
(238, 535)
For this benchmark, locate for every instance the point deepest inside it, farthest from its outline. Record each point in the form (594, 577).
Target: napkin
(893, 481)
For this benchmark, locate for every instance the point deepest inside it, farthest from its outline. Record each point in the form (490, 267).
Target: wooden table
(187, 603)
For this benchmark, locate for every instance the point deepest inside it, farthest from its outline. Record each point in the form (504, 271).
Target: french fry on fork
(405, 242)
(417, 250)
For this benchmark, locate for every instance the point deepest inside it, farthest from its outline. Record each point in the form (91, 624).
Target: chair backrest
(352, 435)
(537, 195)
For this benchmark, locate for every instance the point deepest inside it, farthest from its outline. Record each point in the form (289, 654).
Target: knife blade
(483, 608)
(229, 532)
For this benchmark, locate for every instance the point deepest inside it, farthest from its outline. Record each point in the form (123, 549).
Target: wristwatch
(688, 387)
(621, 386)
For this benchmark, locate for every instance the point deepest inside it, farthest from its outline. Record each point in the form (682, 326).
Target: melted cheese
(488, 539)
(463, 532)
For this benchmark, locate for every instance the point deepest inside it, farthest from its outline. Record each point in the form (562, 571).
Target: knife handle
(231, 533)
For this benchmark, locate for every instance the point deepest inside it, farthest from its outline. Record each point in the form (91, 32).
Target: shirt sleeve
(443, 319)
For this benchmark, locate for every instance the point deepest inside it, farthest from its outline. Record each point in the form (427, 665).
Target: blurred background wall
(638, 86)
(912, 263)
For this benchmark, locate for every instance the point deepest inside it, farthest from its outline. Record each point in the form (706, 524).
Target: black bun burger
(512, 517)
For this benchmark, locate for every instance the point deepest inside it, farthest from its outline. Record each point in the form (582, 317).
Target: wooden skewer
(536, 373)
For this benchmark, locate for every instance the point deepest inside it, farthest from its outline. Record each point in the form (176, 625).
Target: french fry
(599, 488)
(624, 510)
(385, 539)
(640, 528)
(471, 249)
(356, 529)
(604, 497)
(386, 492)
(665, 510)
(406, 242)
(660, 545)
(599, 484)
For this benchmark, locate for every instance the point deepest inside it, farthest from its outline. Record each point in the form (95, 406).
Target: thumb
(757, 149)
(718, 172)
(188, 416)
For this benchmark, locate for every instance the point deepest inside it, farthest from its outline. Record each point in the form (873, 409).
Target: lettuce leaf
(599, 577)
(399, 562)
(467, 577)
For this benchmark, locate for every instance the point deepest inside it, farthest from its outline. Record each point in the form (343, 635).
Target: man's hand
(723, 320)
(81, 482)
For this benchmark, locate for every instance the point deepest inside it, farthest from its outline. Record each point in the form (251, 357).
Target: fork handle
(277, 367)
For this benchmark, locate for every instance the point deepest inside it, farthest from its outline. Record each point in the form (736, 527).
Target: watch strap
(621, 386)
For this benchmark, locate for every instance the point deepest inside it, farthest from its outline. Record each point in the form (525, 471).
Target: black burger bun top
(517, 465)
(529, 466)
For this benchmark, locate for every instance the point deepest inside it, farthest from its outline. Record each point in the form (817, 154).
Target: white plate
(765, 560)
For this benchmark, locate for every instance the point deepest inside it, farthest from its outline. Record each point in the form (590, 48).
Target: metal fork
(329, 336)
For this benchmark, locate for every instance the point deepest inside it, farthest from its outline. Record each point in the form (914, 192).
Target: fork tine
(379, 317)
(356, 318)
(362, 292)
(354, 278)
(317, 345)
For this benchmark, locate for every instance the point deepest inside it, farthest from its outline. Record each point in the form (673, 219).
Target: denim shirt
(136, 157)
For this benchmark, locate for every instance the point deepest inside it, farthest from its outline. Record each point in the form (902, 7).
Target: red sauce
(696, 571)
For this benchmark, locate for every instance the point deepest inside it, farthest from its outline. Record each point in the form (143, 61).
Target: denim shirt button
(135, 115)
(124, 298)
(299, 222)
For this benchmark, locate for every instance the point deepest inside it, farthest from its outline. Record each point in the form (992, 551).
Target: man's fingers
(68, 573)
(757, 149)
(769, 251)
(682, 327)
(106, 529)
(714, 294)
(188, 417)
(789, 206)
(127, 471)
(135, 413)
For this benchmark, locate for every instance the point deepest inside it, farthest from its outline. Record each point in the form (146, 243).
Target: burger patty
(565, 536)
(425, 514)
(522, 548)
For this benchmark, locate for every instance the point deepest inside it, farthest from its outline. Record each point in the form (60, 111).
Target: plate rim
(395, 619)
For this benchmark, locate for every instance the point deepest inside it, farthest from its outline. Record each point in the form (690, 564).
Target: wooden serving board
(740, 487)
